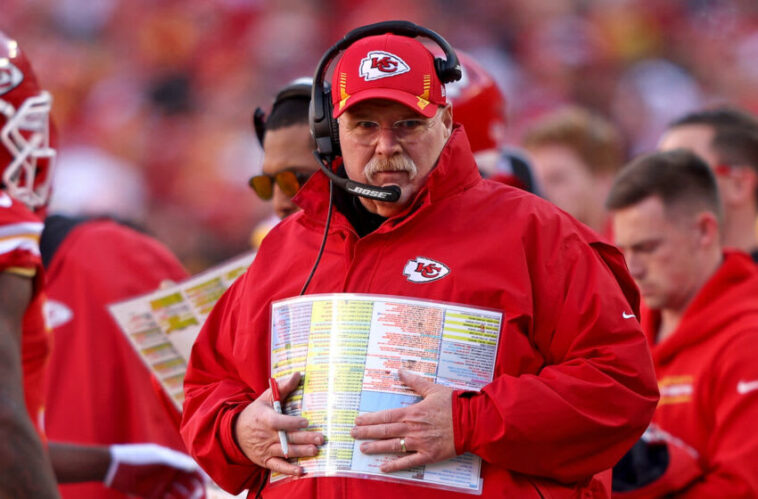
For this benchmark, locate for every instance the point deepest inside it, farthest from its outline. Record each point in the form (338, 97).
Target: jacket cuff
(228, 441)
(463, 422)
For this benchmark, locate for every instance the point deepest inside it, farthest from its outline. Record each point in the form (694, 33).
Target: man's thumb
(420, 384)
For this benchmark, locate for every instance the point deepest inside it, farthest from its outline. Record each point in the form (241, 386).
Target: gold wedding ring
(402, 445)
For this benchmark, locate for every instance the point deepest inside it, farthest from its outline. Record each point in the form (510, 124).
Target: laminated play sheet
(163, 325)
(350, 346)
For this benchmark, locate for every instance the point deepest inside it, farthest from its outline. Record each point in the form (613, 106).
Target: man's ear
(746, 183)
(446, 116)
(707, 224)
(739, 186)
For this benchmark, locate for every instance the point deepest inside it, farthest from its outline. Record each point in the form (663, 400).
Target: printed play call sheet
(163, 325)
(350, 347)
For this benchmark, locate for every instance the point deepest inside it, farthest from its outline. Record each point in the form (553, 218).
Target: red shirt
(574, 385)
(99, 392)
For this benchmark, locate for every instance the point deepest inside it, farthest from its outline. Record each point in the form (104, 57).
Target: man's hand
(426, 427)
(154, 472)
(256, 432)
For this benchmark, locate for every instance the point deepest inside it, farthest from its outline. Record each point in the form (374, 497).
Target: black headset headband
(323, 126)
(297, 89)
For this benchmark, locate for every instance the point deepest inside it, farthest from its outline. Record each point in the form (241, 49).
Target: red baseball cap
(393, 67)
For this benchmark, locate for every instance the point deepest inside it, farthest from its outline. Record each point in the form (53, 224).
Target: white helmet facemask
(26, 136)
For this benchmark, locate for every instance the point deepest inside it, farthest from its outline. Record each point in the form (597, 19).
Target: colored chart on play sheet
(350, 347)
(162, 325)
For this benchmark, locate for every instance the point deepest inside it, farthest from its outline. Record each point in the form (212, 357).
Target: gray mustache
(394, 164)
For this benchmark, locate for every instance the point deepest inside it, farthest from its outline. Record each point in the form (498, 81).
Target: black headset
(299, 88)
(324, 128)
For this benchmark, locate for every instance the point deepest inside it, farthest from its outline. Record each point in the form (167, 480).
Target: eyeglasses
(723, 169)
(366, 132)
(288, 181)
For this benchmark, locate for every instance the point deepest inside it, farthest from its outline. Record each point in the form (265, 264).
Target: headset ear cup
(446, 74)
(334, 132)
(336, 147)
(321, 129)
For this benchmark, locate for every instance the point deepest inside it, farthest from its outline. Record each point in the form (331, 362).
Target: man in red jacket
(701, 319)
(573, 382)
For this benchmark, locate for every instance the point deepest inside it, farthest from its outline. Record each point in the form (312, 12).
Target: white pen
(278, 408)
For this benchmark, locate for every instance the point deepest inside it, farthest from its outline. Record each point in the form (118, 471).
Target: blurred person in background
(26, 156)
(98, 389)
(576, 154)
(480, 106)
(727, 139)
(701, 318)
(287, 144)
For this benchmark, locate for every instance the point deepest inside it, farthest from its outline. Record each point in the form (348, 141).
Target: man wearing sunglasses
(287, 144)
(727, 139)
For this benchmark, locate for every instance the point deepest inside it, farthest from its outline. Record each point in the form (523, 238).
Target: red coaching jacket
(708, 377)
(99, 391)
(574, 385)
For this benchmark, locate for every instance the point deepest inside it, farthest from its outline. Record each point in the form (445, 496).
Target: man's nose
(635, 265)
(386, 142)
(283, 205)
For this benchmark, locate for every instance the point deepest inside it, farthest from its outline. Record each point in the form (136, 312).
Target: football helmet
(26, 151)
(478, 104)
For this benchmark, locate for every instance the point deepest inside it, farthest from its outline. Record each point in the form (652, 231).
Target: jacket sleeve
(214, 396)
(596, 391)
(731, 469)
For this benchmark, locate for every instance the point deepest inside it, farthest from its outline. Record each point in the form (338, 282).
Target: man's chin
(653, 302)
(388, 209)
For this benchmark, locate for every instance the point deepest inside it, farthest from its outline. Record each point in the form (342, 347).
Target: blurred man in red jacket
(701, 318)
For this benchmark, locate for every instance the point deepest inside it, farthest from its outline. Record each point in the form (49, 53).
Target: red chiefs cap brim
(421, 106)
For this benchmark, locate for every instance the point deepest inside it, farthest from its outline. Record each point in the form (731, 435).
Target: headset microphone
(391, 193)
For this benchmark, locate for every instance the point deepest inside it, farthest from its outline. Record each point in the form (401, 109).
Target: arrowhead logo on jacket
(422, 269)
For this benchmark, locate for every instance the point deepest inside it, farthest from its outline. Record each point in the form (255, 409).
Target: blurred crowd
(153, 98)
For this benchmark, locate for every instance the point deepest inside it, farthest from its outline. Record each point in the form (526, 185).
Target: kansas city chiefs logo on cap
(10, 76)
(379, 64)
(422, 269)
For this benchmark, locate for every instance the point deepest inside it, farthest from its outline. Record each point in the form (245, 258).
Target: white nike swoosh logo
(744, 387)
(626, 316)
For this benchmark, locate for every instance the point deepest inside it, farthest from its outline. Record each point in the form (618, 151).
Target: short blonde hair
(593, 138)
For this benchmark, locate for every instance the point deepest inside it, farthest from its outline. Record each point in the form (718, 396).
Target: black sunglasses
(288, 181)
